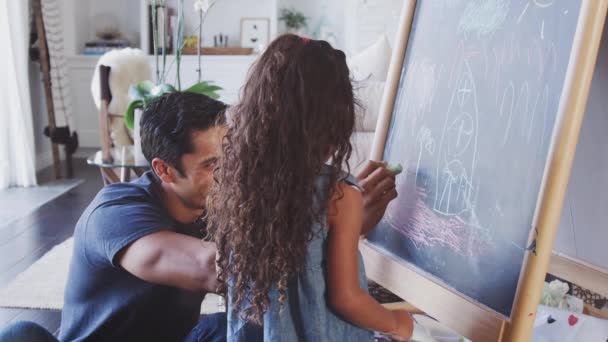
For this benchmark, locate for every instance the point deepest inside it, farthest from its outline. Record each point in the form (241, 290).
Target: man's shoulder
(124, 203)
(142, 190)
(119, 214)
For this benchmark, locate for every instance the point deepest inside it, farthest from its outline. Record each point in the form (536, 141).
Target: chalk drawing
(522, 106)
(542, 4)
(543, 100)
(459, 135)
(425, 143)
(425, 75)
(483, 17)
(443, 4)
(411, 216)
(523, 12)
(542, 30)
(457, 190)
(553, 57)
(542, 64)
(506, 108)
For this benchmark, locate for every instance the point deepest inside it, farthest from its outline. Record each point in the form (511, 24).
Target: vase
(138, 154)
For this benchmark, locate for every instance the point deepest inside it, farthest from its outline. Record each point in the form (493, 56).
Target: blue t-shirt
(104, 302)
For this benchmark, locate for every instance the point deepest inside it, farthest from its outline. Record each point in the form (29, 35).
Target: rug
(41, 286)
(20, 202)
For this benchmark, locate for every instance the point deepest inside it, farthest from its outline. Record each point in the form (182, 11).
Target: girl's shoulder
(352, 181)
(345, 177)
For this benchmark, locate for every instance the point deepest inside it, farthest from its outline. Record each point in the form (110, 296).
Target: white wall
(583, 230)
(366, 20)
(325, 19)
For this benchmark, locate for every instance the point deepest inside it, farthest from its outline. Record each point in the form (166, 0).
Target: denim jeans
(210, 328)
(24, 331)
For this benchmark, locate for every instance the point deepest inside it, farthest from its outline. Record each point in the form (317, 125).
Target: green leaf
(203, 88)
(130, 114)
(213, 95)
(140, 90)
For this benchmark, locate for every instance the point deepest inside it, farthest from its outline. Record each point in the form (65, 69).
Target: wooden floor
(29, 238)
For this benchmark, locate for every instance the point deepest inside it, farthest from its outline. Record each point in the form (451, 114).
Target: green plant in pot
(294, 20)
(143, 93)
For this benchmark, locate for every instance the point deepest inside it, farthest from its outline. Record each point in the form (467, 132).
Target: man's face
(194, 184)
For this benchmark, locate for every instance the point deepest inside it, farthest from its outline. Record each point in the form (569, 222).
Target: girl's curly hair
(297, 112)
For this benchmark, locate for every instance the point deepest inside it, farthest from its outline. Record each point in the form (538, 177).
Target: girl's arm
(346, 298)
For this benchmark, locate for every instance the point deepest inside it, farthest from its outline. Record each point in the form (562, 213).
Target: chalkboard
(472, 123)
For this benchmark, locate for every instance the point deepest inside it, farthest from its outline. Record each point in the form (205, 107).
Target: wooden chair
(108, 169)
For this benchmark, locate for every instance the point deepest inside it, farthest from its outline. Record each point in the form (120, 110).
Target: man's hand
(378, 185)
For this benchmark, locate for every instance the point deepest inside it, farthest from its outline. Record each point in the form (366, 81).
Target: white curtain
(17, 150)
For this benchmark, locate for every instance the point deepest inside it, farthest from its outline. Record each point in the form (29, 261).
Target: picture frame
(255, 33)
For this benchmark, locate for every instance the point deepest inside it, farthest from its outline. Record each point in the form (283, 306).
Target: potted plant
(294, 20)
(145, 92)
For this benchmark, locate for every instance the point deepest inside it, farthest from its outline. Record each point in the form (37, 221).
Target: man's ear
(163, 170)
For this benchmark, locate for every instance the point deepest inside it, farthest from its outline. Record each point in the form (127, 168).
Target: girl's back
(305, 315)
(282, 214)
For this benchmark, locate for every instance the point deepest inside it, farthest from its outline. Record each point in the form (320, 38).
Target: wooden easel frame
(449, 307)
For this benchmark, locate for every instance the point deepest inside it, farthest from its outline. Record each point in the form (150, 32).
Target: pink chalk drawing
(424, 227)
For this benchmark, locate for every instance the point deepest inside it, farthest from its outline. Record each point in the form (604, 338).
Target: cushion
(372, 63)
(362, 145)
(369, 95)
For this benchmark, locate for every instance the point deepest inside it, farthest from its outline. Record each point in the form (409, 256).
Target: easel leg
(56, 161)
(68, 163)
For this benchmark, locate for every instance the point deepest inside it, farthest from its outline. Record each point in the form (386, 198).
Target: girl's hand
(378, 184)
(405, 326)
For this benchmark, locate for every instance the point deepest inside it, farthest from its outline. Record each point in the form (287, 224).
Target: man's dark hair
(167, 125)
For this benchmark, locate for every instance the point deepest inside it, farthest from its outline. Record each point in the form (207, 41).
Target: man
(140, 269)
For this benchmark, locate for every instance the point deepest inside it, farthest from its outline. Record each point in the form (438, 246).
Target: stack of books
(100, 46)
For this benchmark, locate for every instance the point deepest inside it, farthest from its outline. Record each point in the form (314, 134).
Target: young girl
(287, 224)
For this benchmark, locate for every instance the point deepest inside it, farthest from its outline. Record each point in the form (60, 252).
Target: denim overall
(305, 315)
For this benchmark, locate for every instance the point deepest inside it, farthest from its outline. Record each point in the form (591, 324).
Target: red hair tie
(305, 40)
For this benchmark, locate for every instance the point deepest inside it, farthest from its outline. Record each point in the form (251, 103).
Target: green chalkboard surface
(473, 120)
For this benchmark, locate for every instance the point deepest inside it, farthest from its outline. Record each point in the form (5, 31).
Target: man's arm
(378, 185)
(172, 259)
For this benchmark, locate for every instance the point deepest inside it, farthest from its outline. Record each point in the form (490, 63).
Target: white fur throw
(128, 66)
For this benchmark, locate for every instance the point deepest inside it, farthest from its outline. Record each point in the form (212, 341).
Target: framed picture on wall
(255, 33)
